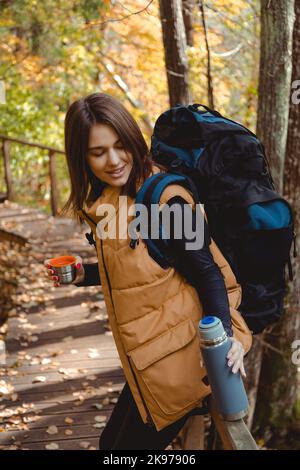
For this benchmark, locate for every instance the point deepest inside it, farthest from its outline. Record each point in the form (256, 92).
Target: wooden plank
(59, 407)
(87, 417)
(70, 444)
(64, 357)
(30, 216)
(12, 237)
(100, 363)
(60, 386)
(11, 210)
(81, 431)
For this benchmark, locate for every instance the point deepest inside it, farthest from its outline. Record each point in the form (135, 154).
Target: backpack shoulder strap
(150, 193)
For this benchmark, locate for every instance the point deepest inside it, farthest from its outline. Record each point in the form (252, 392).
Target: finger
(232, 350)
(236, 366)
(55, 279)
(49, 273)
(78, 261)
(235, 355)
(47, 262)
(243, 369)
(233, 360)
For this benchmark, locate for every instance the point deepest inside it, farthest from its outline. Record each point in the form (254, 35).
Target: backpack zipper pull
(291, 276)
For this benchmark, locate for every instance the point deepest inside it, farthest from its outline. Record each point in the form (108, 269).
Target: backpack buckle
(176, 163)
(90, 238)
(133, 243)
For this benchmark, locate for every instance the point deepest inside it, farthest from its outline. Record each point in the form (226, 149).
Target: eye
(97, 154)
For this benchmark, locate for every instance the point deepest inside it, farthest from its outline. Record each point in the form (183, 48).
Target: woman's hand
(80, 273)
(235, 357)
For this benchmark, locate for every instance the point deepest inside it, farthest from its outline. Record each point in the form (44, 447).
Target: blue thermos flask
(227, 388)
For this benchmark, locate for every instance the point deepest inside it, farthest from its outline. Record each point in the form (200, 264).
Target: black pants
(125, 428)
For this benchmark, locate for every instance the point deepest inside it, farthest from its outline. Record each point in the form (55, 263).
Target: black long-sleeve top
(197, 266)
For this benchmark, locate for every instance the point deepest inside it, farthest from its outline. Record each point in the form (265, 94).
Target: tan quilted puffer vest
(154, 314)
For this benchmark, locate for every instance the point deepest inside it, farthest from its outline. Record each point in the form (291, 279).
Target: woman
(153, 312)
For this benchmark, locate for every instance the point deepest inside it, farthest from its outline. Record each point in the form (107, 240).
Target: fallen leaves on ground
(52, 446)
(29, 299)
(39, 379)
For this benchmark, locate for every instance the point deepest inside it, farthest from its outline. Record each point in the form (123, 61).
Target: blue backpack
(223, 165)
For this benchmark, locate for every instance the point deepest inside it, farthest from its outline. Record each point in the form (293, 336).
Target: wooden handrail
(31, 144)
(234, 435)
(52, 167)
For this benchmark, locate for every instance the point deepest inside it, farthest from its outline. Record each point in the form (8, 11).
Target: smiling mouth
(116, 172)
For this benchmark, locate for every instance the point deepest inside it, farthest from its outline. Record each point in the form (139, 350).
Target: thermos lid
(211, 328)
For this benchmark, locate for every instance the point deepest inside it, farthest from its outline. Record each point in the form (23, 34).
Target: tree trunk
(292, 193)
(253, 367)
(187, 11)
(210, 92)
(275, 414)
(174, 40)
(274, 81)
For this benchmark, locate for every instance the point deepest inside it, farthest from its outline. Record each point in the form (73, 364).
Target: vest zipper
(88, 217)
(149, 418)
(150, 421)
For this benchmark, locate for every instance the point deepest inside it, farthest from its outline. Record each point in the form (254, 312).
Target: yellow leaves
(77, 52)
(69, 420)
(31, 68)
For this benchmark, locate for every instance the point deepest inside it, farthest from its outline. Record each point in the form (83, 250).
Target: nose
(113, 157)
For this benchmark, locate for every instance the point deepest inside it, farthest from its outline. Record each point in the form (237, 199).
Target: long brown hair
(100, 108)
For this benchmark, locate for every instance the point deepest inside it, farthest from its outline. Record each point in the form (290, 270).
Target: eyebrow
(98, 147)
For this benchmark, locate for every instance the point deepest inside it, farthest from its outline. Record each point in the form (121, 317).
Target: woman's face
(106, 157)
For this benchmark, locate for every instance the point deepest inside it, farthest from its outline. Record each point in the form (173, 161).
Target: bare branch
(112, 20)
(125, 89)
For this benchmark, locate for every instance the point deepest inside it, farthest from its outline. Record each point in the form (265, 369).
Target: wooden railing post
(52, 168)
(53, 181)
(7, 169)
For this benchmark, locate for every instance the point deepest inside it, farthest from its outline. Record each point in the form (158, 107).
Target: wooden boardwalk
(62, 375)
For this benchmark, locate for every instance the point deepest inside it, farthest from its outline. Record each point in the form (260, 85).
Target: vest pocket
(169, 368)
